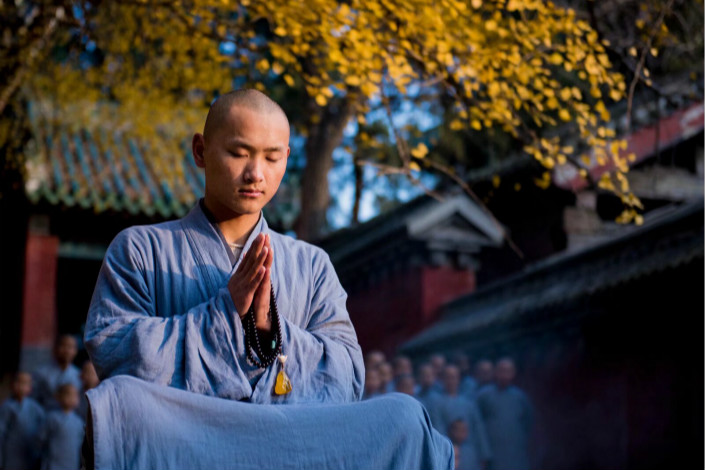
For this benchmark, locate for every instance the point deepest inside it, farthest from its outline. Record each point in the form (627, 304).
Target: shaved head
(250, 99)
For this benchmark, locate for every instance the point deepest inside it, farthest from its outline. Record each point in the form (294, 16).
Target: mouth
(250, 193)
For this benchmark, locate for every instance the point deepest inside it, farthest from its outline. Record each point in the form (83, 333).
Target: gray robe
(49, 377)
(21, 424)
(62, 436)
(508, 417)
(447, 409)
(161, 312)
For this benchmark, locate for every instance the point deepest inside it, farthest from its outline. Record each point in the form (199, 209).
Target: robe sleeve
(527, 418)
(479, 435)
(324, 359)
(199, 350)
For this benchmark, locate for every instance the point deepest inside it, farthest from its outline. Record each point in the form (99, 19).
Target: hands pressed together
(250, 285)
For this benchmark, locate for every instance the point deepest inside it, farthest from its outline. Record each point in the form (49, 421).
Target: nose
(253, 171)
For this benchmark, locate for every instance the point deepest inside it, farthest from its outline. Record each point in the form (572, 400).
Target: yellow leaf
(352, 80)
(556, 59)
(564, 115)
(321, 99)
(277, 68)
(414, 166)
(289, 80)
(456, 125)
(279, 31)
(490, 25)
(632, 51)
(654, 52)
(476, 4)
(639, 219)
(495, 181)
(420, 151)
(262, 65)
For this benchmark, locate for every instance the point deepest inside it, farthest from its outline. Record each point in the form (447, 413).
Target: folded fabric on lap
(141, 425)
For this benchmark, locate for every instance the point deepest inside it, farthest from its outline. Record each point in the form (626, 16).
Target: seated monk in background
(218, 304)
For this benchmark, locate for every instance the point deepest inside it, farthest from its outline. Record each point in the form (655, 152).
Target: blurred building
(609, 344)
(604, 320)
(401, 267)
(82, 189)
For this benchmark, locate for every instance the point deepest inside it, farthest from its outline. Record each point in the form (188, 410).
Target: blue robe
(508, 417)
(62, 436)
(20, 426)
(162, 312)
(428, 398)
(47, 379)
(447, 409)
(468, 387)
(175, 429)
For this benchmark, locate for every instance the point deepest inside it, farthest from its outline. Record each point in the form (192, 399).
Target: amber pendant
(283, 385)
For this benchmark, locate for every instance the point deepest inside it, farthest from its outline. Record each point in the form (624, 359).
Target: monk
(220, 305)
(508, 416)
(21, 422)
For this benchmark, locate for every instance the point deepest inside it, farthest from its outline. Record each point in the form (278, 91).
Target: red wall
(390, 312)
(39, 306)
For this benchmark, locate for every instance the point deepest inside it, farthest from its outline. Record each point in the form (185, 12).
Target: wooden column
(39, 296)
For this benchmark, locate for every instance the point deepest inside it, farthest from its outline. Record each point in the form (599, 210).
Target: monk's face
(505, 373)
(22, 386)
(244, 160)
(451, 379)
(427, 376)
(66, 350)
(484, 372)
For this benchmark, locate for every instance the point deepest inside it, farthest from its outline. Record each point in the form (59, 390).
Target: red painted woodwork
(39, 306)
(390, 312)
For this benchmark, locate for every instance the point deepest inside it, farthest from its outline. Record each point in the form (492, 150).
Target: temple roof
(669, 238)
(109, 171)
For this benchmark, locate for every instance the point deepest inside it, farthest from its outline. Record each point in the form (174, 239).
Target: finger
(258, 264)
(270, 259)
(262, 298)
(251, 255)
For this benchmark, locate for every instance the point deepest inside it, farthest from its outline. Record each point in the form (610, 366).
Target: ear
(288, 151)
(198, 147)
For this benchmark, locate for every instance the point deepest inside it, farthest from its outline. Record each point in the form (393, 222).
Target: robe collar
(210, 245)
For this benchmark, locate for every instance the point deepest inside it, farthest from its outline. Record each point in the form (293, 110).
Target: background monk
(508, 416)
(218, 304)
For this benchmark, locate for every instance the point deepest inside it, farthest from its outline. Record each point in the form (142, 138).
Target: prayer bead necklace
(282, 385)
(275, 350)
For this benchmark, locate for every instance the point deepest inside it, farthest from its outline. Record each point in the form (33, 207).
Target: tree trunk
(326, 127)
(359, 183)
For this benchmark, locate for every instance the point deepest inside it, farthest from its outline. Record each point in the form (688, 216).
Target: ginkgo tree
(153, 66)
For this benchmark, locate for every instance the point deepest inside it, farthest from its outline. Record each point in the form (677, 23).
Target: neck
(18, 399)
(235, 227)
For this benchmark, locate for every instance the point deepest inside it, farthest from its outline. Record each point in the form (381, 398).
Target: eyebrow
(241, 143)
